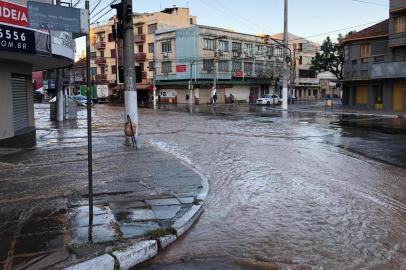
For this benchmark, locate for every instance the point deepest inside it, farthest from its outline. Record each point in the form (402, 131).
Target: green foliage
(155, 234)
(330, 59)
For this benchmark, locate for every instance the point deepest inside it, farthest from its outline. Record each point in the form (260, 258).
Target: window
(166, 67)
(152, 28)
(279, 51)
(399, 54)
(139, 30)
(248, 47)
(166, 46)
(141, 65)
(346, 53)
(378, 95)
(151, 47)
(114, 69)
(236, 47)
(102, 70)
(258, 67)
(208, 44)
(208, 64)
(365, 50)
(305, 73)
(237, 66)
(305, 60)
(101, 53)
(399, 24)
(92, 55)
(260, 49)
(191, 20)
(140, 48)
(150, 65)
(110, 37)
(247, 67)
(224, 66)
(223, 45)
(113, 53)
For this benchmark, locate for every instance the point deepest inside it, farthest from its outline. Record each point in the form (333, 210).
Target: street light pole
(285, 63)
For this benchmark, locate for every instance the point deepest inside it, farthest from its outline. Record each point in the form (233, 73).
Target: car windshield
(80, 97)
(266, 96)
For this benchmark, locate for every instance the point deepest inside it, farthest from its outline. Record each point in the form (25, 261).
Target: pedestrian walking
(215, 99)
(187, 98)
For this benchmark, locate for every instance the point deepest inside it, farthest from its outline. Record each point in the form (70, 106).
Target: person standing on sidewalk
(215, 99)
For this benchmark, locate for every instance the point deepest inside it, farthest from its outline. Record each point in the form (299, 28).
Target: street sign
(51, 17)
(16, 39)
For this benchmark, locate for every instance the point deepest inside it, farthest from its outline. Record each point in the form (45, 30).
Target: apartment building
(241, 64)
(306, 83)
(107, 54)
(375, 64)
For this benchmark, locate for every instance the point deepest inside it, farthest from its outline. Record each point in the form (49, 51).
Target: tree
(330, 59)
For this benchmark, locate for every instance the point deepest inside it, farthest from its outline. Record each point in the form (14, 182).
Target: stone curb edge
(144, 250)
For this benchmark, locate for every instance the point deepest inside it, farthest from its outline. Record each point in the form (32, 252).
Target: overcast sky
(307, 18)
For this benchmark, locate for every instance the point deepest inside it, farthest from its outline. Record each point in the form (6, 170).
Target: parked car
(271, 99)
(38, 96)
(82, 100)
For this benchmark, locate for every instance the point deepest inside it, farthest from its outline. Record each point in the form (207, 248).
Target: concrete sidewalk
(44, 204)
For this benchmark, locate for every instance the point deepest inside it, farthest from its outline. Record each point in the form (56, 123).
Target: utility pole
(285, 63)
(154, 78)
(191, 95)
(89, 128)
(60, 104)
(130, 93)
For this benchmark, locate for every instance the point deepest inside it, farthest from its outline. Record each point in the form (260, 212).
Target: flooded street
(282, 193)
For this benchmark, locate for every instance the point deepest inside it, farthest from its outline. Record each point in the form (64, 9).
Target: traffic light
(119, 8)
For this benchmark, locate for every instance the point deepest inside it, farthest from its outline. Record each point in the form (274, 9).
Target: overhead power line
(371, 3)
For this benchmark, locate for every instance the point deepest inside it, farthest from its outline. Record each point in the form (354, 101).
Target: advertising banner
(16, 39)
(62, 44)
(181, 68)
(15, 14)
(51, 17)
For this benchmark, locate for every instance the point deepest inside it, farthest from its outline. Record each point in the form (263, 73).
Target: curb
(144, 250)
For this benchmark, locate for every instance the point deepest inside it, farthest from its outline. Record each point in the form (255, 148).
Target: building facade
(242, 65)
(106, 55)
(22, 51)
(375, 64)
(305, 81)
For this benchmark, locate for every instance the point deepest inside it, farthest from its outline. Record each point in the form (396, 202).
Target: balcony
(397, 39)
(100, 61)
(140, 57)
(100, 45)
(139, 38)
(388, 70)
(101, 77)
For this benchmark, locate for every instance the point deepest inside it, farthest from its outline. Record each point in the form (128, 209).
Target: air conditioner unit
(165, 55)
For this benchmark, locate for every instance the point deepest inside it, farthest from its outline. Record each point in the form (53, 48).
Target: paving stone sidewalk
(44, 204)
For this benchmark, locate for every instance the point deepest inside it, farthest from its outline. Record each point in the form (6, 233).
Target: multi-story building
(107, 54)
(241, 64)
(305, 79)
(375, 64)
(329, 85)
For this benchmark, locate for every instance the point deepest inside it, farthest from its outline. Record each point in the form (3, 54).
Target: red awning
(147, 87)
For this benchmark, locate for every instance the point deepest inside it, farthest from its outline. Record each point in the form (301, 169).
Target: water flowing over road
(280, 195)
(283, 195)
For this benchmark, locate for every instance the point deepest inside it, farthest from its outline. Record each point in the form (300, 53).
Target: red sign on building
(181, 68)
(238, 74)
(14, 14)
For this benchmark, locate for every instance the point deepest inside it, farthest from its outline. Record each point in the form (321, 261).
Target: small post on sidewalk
(285, 63)
(89, 128)
(130, 93)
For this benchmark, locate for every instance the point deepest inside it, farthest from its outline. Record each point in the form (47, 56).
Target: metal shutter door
(204, 96)
(20, 103)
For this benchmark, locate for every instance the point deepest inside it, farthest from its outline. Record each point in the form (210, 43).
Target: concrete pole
(190, 86)
(154, 79)
(130, 93)
(285, 64)
(59, 94)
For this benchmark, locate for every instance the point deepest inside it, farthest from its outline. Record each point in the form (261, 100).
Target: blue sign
(51, 17)
(51, 84)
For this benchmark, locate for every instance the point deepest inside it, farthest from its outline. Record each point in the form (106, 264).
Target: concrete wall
(6, 96)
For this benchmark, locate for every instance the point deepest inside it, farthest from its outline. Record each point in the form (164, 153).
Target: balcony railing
(140, 57)
(100, 61)
(101, 77)
(100, 45)
(388, 70)
(140, 38)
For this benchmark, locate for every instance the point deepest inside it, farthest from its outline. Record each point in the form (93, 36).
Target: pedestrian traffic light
(121, 74)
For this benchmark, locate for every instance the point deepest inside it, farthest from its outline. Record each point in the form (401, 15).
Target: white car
(81, 100)
(271, 99)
